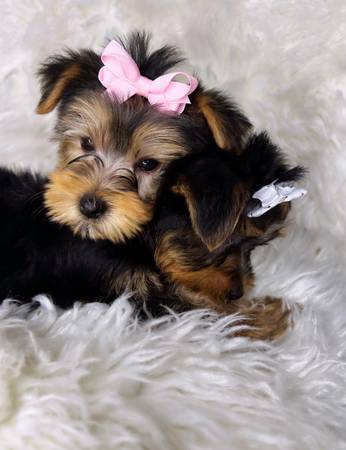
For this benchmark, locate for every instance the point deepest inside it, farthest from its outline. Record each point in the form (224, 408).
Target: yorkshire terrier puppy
(203, 235)
(113, 153)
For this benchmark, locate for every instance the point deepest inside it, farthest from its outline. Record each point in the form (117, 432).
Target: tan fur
(214, 121)
(212, 283)
(88, 116)
(93, 116)
(125, 216)
(255, 228)
(162, 143)
(135, 281)
(266, 318)
(49, 103)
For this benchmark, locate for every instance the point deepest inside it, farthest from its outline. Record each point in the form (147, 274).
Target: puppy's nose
(236, 293)
(91, 206)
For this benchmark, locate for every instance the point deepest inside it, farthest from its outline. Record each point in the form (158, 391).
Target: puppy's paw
(266, 318)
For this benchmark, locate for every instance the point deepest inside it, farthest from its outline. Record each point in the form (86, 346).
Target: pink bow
(121, 76)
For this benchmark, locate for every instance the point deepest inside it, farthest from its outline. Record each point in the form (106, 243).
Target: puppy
(203, 236)
(113, 153)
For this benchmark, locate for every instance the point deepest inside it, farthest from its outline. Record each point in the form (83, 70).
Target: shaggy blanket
(92, 377)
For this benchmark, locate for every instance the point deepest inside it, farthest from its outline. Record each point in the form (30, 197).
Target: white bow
(273, 194)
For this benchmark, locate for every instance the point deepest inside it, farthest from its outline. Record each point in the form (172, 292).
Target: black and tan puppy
(203, 234)
(112, 155)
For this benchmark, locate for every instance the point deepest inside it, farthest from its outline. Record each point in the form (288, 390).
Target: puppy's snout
(92, 206)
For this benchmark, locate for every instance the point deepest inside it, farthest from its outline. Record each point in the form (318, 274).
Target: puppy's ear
(215, 200)
(264, 162)
(228, 125)
(62, 75)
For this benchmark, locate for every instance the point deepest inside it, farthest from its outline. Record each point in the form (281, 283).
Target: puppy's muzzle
(92, 205)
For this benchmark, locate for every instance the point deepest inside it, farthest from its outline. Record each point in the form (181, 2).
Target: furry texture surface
(92, 378)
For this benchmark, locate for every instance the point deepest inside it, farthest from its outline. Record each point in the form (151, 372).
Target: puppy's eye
(148, 165)
(87, 144)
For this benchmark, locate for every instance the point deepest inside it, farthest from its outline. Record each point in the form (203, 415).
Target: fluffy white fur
(93, 378)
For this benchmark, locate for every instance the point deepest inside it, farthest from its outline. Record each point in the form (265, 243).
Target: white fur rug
(92, 378)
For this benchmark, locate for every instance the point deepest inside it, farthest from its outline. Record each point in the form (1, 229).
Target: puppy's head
(112, 158)
(214, 192)
(112, 155)
(217, 187)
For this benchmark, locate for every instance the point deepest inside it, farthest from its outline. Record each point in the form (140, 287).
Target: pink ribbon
(121, 77)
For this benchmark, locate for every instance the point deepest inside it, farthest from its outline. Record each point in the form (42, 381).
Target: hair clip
(273, 194)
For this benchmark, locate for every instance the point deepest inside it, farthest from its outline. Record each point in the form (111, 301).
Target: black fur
(262, 162)
(150, 64)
